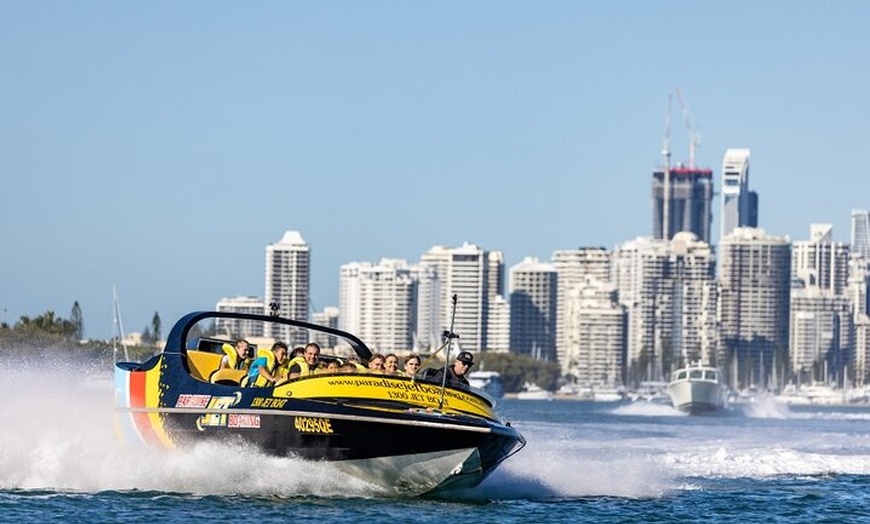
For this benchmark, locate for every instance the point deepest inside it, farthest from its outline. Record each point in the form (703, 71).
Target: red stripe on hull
(137, 400)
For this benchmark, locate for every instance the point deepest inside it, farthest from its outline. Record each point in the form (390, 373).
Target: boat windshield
(696, 373)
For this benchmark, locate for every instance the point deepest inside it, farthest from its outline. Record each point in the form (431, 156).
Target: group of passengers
(278, 365)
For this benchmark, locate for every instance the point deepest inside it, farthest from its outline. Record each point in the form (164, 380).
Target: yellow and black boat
(406, 434)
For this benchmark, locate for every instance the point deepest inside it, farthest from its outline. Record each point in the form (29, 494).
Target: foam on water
(58, 434)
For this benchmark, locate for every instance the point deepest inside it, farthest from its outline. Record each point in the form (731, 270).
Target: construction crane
(666, 190)
(694, 135)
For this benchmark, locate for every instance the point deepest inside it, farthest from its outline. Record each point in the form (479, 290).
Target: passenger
(306, 364)
(356, 365)
(297, 353)
(455, 373)
(235, 356)
(332, 366)
(348, 367)
(264, 369)
(412, 364)
(376, 364)
(391, 364)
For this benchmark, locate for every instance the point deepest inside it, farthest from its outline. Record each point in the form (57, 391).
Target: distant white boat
(812, 394)
(534, 392)
(698, 389)
(488, 381)
(594, 393)
(650, 391)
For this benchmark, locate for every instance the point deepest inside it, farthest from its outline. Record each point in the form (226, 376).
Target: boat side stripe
(125, 424)
(152, 398)
(142, 418)
(356, 418)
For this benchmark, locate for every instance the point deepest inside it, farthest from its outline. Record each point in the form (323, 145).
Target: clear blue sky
(162, 145)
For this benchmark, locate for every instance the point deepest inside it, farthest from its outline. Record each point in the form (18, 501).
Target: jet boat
(405, 434)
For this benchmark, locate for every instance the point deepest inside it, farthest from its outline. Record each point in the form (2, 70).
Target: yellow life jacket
(303, 366)
(259, 380)
(233, 355)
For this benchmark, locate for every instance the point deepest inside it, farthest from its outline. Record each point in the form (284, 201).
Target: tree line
(50, 332)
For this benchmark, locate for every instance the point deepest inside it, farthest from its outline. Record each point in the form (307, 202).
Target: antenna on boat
(449, 335)
(119, 327)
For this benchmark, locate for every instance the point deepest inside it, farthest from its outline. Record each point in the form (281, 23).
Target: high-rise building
(475, 277)
(820, 337)
(861, 233)
(239, 328)
(595, 335)
(328, 317)
(690, 207)
(670, 292)
(755, 292)
(573, 267)
(533, 309)
(288, 277)
(499, 332)
(737, 202)
(692, 273)
(379, 303)
(639, 272)
(820, 262)
(861, 353)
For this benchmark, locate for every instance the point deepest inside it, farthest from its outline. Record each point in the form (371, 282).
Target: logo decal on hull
(218, 420)
(192, 401)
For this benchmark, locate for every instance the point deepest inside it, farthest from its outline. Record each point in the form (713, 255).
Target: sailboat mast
(119, 327)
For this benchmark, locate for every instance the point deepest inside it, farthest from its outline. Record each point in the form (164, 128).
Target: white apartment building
(670, 291)
(820, 262)
(475, 277)
(379, 303)
(329, 317)
(238, 328)
(755, 291)
(533, 309)
(288, 280)
(573, 266)
(639, 268)
(820, 335)
(595, 332)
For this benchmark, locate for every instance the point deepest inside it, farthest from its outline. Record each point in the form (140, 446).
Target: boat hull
(697, 398)
(698, 390)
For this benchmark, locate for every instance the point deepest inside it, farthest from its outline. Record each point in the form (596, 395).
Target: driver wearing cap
(458, 371)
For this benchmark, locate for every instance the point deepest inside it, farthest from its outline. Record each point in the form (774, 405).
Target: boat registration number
(313, 425)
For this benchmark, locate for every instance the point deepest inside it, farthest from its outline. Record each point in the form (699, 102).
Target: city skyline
(160, 148)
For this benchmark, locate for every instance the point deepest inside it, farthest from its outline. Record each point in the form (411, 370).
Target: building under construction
(690, 205)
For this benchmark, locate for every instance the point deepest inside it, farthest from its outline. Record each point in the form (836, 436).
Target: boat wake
(59, 436)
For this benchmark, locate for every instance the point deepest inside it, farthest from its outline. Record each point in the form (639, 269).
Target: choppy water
(585, 462)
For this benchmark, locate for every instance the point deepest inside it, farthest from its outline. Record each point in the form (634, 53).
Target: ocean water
(585, 462)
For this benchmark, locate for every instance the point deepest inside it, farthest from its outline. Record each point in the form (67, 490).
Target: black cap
(465, 357)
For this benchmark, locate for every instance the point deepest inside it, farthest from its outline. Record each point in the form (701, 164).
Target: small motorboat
(697, 389)
(405, 434)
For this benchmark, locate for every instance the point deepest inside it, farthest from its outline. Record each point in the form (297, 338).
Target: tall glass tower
(861, 232)
(737, 202)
